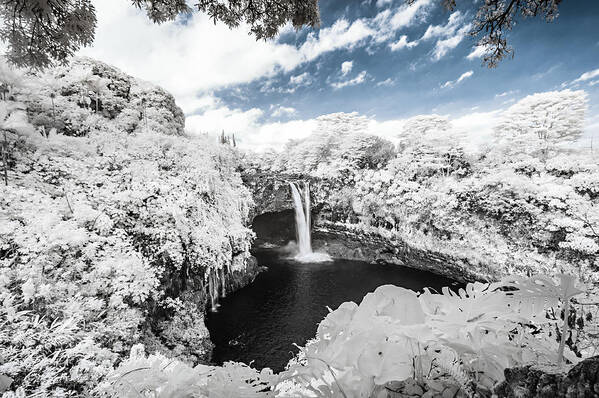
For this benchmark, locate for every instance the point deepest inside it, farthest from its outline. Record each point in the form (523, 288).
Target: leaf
(5, 383)
(535, 294)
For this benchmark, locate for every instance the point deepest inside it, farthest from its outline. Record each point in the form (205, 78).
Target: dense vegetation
(526, 203)
(117, 231)
(115, 228)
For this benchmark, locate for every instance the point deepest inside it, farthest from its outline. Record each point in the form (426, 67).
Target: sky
(380, 58)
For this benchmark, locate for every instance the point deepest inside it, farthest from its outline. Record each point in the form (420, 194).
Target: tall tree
(423, 129)
(541, 122)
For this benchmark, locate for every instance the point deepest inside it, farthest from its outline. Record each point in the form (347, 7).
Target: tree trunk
(53, 116)
(565, 328)
(5, 159)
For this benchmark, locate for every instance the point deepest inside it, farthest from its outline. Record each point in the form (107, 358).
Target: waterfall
(302, 218)
(303, 225)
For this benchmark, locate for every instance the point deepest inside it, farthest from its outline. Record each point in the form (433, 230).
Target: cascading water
(303, 224)
(302, 220)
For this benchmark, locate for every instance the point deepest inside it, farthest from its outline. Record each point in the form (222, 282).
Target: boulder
(581, 381)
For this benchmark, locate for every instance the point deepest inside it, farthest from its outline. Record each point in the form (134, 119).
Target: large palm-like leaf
(532, 296)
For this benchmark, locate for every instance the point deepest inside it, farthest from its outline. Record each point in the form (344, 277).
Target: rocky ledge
(343, 242)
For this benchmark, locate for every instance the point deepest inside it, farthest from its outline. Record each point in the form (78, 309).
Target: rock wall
(342, 242)
(533, 381)
(331, 227)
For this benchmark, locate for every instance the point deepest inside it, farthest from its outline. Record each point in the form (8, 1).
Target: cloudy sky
(379, 58)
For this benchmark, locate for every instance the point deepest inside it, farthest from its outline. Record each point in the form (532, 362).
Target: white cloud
(283, 111)
(275, 135)
(465, 75)
(452, 83)
(541, 75)
(341, 35)
(592, 83)
(477, 52)
(448, 36)
(195, 58)
(248, 126)
(386, 82)
(388, 21)
(402, 43)
(442, 47)
(587, 76)
(478, 127)
(219, 118)
(355, 81)
(179, 57)
(453, 22)
(506, 93)
(406, 15)
(301, 79)
(382, 3)
(346, 67)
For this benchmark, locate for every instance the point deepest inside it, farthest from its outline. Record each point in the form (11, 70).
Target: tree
(9, 78)
(421, 128)
(430, 145)
(96, 85)
(541, 122)
(40, 33)
(366, 151)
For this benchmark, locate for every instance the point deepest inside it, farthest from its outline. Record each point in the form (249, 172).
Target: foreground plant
(395, 342)
(161, 377)
(396, 337)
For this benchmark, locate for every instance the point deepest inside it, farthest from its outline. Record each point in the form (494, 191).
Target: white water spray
(303, 224)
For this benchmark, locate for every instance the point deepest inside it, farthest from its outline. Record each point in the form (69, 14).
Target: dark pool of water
(284, 305)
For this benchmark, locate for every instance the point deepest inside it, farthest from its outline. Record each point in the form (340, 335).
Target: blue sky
(378, 58)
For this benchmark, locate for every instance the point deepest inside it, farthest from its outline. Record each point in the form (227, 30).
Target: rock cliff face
(332, 228)
(340, 241)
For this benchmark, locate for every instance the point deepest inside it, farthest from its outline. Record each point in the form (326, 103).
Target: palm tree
(145, 112)
(5, 158)
(95, 84)
(96, 88)
(52, 96)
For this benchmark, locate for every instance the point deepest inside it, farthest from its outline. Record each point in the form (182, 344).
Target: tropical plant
(470, 337)
(162, 377)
